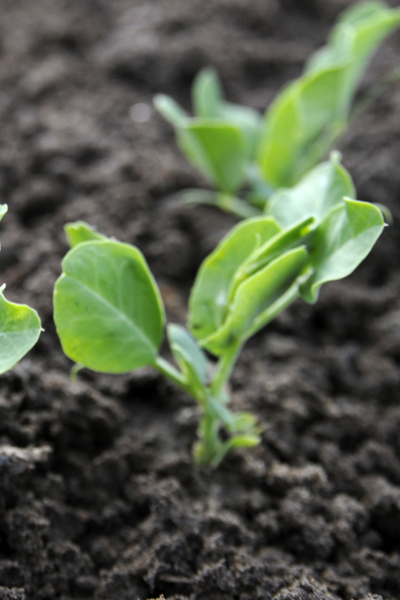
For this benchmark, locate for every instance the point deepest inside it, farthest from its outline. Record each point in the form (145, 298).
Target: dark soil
(99, 497)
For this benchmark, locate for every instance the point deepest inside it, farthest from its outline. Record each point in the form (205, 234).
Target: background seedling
(246, 156)
(110, 317)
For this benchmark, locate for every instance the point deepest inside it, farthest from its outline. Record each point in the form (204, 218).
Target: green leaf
(306, 118)
(170, 110)
(243, 441)
(296, 122)
(3, 210)
(258, 299)
(79, 232)
(248, 121)
(287, 239)
(207, 95)
(226, 202)
(19, 330)
(209, 296)
(107, 308)
(245, 422)
(359, 30)
(320, 190)
(217, 149)
(189, 356)
(343, 240)
(209, 103)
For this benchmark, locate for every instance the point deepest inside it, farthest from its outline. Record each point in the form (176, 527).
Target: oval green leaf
(19, 331)
(107, 308)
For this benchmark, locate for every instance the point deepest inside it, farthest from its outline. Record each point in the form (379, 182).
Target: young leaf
(248, 440)
(217, 149)
(258, 299)
(207, 95)
(208, 300)
(170, 110)
(79, 232)
(295, 123)
(19, 330)
(249, 122)
(209, 103)
(320, 190)
(226, 202)
(360, 29)
(287, 239)
(189, 357)
(305, 119)
(343, 240)
(107, 308)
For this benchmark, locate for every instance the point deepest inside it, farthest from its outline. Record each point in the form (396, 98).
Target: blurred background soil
(99, 497)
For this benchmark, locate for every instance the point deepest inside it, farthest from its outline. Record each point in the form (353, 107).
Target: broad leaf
(208, 300)
(344, 238)
(258, 300)
(19, 331)
(107, 308)
(189, 356)
(320, 190)
(217, 149)
(79, 232)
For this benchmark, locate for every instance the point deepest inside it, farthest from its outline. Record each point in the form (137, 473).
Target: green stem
(164, 367)
(224, 369)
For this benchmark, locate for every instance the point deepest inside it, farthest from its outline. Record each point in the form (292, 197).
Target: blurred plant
(240, 152)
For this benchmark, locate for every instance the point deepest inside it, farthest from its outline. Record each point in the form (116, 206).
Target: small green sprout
(110, 317)
(19, 327)
(240, 152)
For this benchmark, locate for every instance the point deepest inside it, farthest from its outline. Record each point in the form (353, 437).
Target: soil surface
(99, 497)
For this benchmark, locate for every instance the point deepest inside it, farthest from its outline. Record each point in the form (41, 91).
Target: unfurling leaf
(343, 239)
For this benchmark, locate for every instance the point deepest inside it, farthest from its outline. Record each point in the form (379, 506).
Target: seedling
(19, 327)
(246, 156)
(110, 317)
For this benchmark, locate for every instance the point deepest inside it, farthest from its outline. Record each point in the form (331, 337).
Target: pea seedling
(110, 317)
(237, 150)
(19, 327)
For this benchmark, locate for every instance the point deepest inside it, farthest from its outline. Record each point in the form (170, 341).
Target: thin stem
(224, 369)
(164, 367)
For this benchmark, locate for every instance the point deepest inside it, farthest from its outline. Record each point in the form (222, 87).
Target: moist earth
(99, 496)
